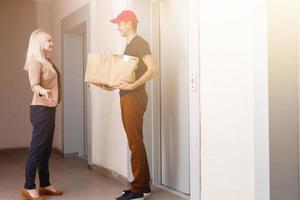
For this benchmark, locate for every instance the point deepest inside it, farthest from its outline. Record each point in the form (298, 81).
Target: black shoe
(146, 191)
(128, 195)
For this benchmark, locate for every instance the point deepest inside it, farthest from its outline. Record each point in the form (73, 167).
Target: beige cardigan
(44, 76)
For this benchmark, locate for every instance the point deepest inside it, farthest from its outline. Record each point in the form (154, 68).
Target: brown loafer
(27, 196)
(44, 191)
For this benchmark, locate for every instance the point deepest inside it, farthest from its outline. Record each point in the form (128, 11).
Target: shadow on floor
(68, 174)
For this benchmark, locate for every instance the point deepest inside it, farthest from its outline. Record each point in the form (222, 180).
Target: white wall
(109, 144)
(233, 64)
(298, 75)
(283, 97)
(194, 99)
(109, 141)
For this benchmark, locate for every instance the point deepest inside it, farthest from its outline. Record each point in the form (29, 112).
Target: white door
(76, 101)
(174, 95)
(73, 93)
(169, 102)
(86, 103)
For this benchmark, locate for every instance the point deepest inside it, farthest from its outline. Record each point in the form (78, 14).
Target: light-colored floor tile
(69, 174)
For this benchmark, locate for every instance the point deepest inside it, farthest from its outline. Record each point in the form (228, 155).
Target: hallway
(223, 115)
(70, 174)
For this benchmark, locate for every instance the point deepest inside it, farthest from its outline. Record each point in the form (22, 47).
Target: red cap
(126, 15)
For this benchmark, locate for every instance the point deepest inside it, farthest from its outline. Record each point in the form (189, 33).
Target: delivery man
(133, 100)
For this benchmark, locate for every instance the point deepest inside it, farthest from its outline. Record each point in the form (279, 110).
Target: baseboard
(173, 191)
(111, 174)
(69, 155)
(7, 151)
(57, 151)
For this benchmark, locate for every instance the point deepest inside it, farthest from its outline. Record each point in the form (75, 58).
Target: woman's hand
(47, 94)
(103, 86)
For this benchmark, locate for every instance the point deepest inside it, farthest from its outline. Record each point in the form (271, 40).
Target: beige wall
(43, 15)
(283, 98)
(17, 20)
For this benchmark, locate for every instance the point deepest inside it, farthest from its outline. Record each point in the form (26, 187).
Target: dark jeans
(43, 122)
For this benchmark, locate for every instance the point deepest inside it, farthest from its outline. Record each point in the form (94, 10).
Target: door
(174, 95)
(168, 109)
(86, 102)
(73, 93)
(77, 97)
(76, 94)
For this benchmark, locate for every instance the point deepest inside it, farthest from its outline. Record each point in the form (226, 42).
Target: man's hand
(126, 86)
(151, 72)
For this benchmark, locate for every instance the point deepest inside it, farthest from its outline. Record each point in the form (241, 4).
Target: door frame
(194, 98)
(77, 18)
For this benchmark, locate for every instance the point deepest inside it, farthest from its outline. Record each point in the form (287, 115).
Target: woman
(44, 82)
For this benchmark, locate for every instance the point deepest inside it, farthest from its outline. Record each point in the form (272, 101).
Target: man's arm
(151, 72)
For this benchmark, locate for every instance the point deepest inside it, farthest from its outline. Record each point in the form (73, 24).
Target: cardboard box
(110, 69)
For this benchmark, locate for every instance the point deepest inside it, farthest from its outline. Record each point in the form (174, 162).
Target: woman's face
(48, 48)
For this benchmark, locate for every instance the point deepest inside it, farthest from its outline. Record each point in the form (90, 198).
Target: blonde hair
(35, 49)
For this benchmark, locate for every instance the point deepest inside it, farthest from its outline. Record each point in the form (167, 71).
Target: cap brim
(115, 21)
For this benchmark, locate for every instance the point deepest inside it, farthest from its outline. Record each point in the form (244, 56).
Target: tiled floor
(69, 174)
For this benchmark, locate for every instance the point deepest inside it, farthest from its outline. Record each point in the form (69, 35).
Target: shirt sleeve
(34, 74)
(143, 49)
